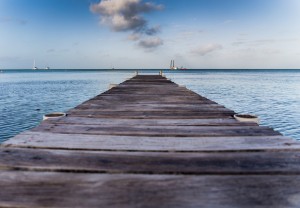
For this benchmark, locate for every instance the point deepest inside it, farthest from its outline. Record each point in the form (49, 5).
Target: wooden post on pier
(148, 142)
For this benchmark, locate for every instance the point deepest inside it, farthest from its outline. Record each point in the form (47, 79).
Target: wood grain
(148, 122)
(214, 163)
(46, 189)
(138, 143)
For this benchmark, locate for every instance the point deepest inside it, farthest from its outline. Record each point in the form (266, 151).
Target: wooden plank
(117, 91)
(273, 163)
(139, 143)
(35, 189)
(148, 122)
(151, 93)
(151, 87)
(166, 131)
(148, 88)
(150, 114)
(181, 96)
(158, 98)
(156, 108)
(105, 101)
(147, 106)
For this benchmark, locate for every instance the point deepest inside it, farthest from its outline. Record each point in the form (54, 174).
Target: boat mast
(34, 67)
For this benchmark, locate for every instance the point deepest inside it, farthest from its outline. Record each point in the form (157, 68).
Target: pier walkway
(149, 143)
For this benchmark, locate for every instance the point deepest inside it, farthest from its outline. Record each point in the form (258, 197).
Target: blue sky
(148, 34)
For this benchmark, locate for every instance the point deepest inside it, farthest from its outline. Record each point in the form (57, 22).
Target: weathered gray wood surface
(31, 189)
(159, 131)
(148, 122)
(149, 143)
(138, 143)
(215, 163)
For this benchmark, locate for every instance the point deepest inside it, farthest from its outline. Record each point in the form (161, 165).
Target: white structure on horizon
(34, 66)
(172, 65)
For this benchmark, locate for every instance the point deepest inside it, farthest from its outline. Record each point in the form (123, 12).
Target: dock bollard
(112, 86)
(247, 118)
(54, 115)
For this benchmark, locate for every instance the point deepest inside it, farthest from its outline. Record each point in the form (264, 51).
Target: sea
(26, 95)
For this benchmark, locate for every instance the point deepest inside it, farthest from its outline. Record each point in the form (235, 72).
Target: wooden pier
(149, 143)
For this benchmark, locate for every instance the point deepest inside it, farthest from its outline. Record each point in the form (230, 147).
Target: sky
(138, 34)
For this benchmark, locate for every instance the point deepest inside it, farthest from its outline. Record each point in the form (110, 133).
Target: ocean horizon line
(141, 69)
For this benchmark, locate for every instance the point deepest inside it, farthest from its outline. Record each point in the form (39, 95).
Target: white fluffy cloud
(205, 49)
(127, 16)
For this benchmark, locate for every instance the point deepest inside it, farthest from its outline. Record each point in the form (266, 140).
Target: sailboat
(34, 66)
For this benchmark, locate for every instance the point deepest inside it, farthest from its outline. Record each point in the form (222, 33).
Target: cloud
(263, 42)
(153, 30)
(127, 16)
(124, 15)
(151, 43)
(205, 49)
(134, 37)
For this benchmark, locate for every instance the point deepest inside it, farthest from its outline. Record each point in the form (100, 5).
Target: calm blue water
(25, 96)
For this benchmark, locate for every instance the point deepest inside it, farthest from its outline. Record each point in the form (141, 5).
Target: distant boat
(47, 68)
(34, 66)
(172, 66)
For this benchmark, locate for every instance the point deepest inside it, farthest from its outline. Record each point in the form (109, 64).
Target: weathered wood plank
(157, 98)
(105, 101)
(91, 107)
(150, 114)
(279, 162)
(139, 143)
(153, 106)
(35, 189)
(120, 91)
(148, 122)
(134, 110)
(166, 131)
